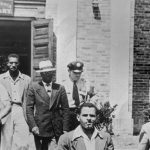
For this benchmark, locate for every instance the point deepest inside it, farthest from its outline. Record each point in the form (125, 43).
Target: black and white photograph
(74, 74)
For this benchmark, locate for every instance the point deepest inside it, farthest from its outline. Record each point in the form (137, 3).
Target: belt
(16, 103)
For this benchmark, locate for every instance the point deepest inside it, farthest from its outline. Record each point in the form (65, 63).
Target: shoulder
(83, 83)
(144, 133)
(34, 86)
(26, 77)
(67, 136)
(104, 135)
(57, 86)
(146, 126)
(2, 75)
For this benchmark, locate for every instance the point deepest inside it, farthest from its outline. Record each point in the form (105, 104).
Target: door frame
(29, 19)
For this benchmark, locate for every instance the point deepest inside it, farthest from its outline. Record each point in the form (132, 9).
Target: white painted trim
(29, 3)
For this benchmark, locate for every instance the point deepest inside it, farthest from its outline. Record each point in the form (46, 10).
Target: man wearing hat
(47, 108)
(76, 88)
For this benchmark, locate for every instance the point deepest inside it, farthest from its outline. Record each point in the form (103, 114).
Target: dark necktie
(75, 94)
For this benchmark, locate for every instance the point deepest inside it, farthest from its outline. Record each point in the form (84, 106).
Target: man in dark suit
(47, 109)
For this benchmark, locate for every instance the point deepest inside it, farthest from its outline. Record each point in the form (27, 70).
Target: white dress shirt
(48, 88)
(83, 87)
(15, 87)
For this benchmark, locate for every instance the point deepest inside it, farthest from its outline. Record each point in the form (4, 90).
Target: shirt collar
(7, 74)
(73, 81)
(50, 84)
(78, 132)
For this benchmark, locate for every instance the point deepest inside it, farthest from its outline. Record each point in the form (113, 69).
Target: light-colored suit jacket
(144, 137)
(24, 84)
(66, 142)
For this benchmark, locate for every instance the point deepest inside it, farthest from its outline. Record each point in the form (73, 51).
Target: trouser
(16, 135)
(45, 143)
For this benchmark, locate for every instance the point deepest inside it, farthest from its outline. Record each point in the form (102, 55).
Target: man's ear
(7, 63)
(18, 64)
(78, 117)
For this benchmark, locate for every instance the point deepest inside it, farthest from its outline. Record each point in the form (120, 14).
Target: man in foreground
(86, 136)
(47, 109)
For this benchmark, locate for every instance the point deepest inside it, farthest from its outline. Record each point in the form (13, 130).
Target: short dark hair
(13, 55)
(90, 105)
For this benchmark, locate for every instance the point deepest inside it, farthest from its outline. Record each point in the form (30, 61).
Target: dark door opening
(15, 37)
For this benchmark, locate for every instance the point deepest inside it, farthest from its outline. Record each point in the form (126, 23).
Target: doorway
(15, 37)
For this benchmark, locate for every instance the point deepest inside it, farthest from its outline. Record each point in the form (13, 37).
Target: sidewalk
(125, 142)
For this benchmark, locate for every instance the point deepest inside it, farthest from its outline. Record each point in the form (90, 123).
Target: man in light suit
(47, 109)
(16, 130)
(86, 136)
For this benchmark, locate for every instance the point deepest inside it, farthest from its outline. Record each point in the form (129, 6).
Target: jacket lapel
(54, 95)
(21, 87)
(42, 93)
(7, 85)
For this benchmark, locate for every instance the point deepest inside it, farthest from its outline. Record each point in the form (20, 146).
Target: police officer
(76, 89)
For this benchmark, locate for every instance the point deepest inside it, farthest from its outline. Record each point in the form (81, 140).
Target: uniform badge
(78, 65)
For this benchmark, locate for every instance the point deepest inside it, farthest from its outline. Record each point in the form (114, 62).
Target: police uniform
(82, 86)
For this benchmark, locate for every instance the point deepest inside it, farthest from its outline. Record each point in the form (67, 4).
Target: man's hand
(35, 130)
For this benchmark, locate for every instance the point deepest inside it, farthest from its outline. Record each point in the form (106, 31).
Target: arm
(110, 144)
(6, 109)
(5, 103)
(30, 102)
(65, 109)
(143, 140)
(24, 100)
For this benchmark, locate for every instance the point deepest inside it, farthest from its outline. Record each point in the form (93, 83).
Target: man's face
(13, 64)
(47, 76)
(87, 117)
(74, 76)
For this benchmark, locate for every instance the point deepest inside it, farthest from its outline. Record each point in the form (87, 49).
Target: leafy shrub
(104, 117)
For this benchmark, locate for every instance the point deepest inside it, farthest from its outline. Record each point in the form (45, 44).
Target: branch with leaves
(104, 117)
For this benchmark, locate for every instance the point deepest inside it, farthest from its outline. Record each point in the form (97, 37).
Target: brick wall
(93, 43)
(141, 62)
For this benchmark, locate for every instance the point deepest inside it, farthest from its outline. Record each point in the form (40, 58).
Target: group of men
(57, 116)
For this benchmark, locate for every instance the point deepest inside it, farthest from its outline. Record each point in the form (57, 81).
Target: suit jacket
(50, 114)
(24, 84)
(67, 142)
(144, 137)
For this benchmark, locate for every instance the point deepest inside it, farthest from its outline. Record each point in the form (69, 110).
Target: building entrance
(15, 37)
